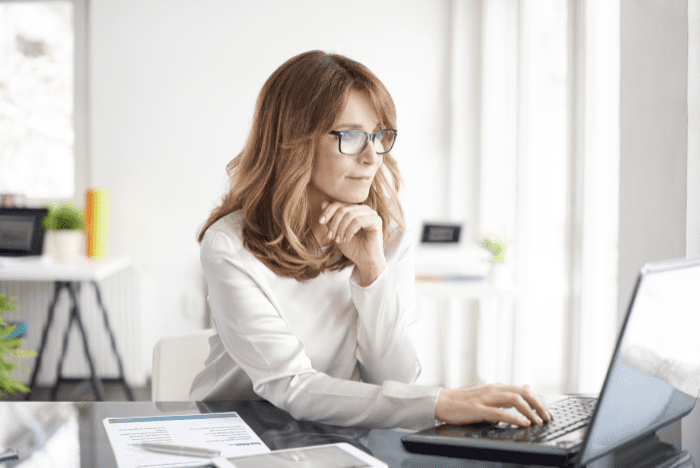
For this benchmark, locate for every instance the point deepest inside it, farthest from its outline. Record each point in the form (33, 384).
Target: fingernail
(322, 220)
(525, 422)
(538, 420)
(337, 239)
(330, 234)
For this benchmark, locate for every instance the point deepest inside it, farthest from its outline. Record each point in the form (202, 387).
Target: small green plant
(496, 247)
(9, 348)
(63, 217)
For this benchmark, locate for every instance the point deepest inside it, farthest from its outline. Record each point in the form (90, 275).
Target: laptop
(653, 380)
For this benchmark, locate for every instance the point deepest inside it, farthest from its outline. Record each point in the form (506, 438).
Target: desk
(82, 432)
(470, 290)
(69, 276)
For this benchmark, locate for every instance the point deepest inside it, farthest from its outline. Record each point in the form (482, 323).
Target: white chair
(176, 361)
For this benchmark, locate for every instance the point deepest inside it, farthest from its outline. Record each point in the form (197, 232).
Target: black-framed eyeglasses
(352, 142)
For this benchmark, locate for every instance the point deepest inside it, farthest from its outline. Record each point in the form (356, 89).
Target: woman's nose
(369, 154)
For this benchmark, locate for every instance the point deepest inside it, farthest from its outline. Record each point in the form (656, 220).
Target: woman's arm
(382, 287)
(259, 339)
(386, 308)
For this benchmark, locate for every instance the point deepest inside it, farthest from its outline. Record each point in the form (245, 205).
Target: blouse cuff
(355, 279)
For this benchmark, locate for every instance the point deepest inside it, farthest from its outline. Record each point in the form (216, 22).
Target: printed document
(219, 431)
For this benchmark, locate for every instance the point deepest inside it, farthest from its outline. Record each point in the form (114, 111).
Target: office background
(171, 87)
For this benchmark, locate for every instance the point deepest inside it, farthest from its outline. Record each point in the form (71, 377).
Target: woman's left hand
(357, 230)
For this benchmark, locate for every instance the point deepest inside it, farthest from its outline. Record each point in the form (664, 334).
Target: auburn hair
(268, 179)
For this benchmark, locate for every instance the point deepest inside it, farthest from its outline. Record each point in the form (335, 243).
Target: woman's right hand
(489, 403)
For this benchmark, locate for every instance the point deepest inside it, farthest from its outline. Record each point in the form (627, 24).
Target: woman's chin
(353, 200)
(354, 195)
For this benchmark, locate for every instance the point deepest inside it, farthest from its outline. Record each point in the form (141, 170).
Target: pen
(180, 450)
(7, 454)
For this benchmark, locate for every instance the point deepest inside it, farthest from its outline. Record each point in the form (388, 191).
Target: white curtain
(534, 162)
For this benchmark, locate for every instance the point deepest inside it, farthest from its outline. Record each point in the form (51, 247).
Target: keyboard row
(569, 415)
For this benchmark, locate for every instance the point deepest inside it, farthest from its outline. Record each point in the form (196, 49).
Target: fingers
(527, 403)
(346, 222)
(525, 409)
(537, 404)
(343, 221)
(508, 417)
(331, 217)
(494, 402)
(533, 402)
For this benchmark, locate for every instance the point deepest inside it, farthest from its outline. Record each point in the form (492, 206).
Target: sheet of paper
(220, 431)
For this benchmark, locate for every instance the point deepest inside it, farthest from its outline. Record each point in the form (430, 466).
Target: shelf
(46, 269)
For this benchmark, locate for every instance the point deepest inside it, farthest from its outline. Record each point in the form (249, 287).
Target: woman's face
(341, 177)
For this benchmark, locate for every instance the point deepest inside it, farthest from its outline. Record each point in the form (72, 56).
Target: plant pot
(67, 246)
(500, 273)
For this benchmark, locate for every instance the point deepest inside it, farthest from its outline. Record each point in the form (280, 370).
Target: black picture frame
(21, 231)
(440, 233)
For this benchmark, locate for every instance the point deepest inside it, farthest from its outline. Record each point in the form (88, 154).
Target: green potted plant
(9, 349)
(66, 227)
(497, 248)
(500, 271)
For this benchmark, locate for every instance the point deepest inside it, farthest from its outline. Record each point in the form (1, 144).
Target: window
(540, 84)
(40, 104)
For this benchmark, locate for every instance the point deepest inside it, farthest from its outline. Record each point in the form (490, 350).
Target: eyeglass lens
(353, 141)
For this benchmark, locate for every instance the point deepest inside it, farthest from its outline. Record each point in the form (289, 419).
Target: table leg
(64, 348)
(58, 285)
(96, 384)
(122, 378)
(73, 289)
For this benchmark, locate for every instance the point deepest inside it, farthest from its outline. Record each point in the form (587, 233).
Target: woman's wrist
(370, 272)
(438, 421)
(440, 406)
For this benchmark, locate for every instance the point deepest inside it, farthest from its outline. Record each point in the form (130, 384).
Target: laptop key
(564, 431)
(569, 415)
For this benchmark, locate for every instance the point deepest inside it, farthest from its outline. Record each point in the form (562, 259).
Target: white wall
(653, 142)
(173, 86)
(691, 423)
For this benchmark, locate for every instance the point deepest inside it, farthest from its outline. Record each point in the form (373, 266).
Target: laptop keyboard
(568, 415)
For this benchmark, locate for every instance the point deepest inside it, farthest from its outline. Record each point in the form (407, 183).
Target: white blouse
(325, 349)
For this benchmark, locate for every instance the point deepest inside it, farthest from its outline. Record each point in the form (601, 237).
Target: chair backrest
(176, 361)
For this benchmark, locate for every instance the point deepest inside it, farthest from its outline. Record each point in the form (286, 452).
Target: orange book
(97, 214)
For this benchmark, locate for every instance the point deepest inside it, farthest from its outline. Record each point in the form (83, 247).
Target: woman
(310, 270)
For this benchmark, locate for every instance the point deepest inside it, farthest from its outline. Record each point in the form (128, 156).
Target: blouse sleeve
(258, 338)
(386, 309)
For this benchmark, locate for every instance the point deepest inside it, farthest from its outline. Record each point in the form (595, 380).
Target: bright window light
(36, 99)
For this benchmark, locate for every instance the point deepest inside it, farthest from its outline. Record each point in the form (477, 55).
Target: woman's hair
(269, 178)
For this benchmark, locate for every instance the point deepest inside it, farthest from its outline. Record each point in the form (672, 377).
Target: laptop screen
(654, 377)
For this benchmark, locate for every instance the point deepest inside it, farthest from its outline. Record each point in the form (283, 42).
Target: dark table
(38, 428)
